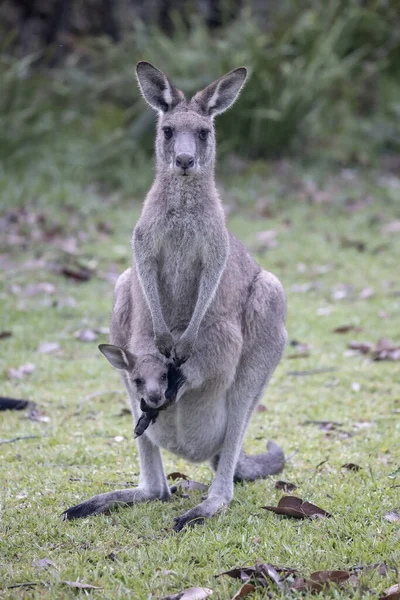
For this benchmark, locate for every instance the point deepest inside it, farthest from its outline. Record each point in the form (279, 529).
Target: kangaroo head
(147, 374)
(185, 142)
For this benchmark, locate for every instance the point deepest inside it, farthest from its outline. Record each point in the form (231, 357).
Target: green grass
(133, 552)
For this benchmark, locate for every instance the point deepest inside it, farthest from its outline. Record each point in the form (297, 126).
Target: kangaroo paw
(198, 514)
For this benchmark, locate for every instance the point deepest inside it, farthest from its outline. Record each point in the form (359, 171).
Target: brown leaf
(81, 585)
(347, 328)
(393, 515)
(77, 273)
(363, 347)
(393, 227)
(366, 293)
(392, 593)
(21, 371)
(261, 408)
(321, 579)
(301, 350)
(291, 506)
(190, 485)
(48, 347)
(43, 563)
(176, 475)
(356, 244)
(245, 590)
(386, 350)
(382, 568)
(351, 467)
(86, 335)
(194, 593)
(5, 334)
(266, 240)
(242, 573)
(33, 289)
(261, 574)
(37, 415)
(285, 486)
(324, 425)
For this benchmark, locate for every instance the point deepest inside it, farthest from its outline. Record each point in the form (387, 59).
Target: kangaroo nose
(184, 161)
(154, 400)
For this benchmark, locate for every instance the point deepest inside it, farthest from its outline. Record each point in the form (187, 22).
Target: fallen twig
(95, 395)
(291, 455)
(22, 437)
(311, 371)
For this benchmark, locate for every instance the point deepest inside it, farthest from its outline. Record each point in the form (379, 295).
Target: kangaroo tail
(259, 466)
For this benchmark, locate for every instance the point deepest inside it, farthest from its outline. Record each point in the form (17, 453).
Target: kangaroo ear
(156, 88)
(119, 358)
(222, 93)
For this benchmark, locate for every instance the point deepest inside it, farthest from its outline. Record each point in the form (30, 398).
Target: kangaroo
(195, 295)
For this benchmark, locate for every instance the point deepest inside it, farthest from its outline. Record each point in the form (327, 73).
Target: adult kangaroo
(195, 295)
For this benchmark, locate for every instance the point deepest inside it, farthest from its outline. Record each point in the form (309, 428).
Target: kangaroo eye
(203, 134)
(168, 133)
(164, 376)
(138, 381)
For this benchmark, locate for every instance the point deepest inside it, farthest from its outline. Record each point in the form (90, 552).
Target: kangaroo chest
(179, 271)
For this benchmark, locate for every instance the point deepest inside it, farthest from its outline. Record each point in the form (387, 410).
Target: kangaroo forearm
(146, 269)
(208, 286)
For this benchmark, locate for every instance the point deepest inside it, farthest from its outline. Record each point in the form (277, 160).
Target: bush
(317, 72)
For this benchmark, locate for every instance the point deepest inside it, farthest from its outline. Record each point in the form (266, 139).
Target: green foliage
(323, 76)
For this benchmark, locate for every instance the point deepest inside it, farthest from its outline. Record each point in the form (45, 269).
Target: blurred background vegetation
(324, 81)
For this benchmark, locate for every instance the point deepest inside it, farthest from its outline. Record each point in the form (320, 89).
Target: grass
(317, 214)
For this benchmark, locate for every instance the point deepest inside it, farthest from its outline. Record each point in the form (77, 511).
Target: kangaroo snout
(154, 400)
(184, 162)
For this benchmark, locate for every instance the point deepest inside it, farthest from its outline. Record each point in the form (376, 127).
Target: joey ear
(222, 93)
(119, 358)
(156, 88)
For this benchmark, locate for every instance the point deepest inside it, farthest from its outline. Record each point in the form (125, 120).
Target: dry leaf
(42, 563)
(189, 485)
(351, 467)
(33, 289)
(86, 335)
(21, 371)
(266, 240)
(261, 408)
(5, 334)
(386, 350)
(321, 579)
(285, 486)
(393, 515)
(393, 227)
(245, 590)
(363, 347)
(366, 293)
(176, 475)
(37, 415)
(347, 328)
(48, 347)
(77, 273)
(82, 586)
(392, 593)
(291, 506)
(301, 349)
(261, 574)
(194, 593)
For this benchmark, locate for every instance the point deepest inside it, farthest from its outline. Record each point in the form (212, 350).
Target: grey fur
(196, 294)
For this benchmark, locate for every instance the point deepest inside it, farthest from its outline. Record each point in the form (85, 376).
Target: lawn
(335, 245)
